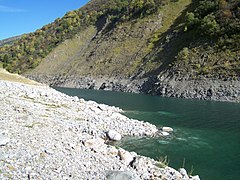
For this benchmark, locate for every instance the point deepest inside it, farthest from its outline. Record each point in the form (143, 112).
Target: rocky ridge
(45, 134)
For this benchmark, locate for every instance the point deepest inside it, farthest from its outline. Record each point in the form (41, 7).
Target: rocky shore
(204, 89)
(45, 134)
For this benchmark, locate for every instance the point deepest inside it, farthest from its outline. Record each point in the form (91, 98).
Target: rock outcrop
(204, 89)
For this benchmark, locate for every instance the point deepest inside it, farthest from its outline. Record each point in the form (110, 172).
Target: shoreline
(205, 89)
(47, 134)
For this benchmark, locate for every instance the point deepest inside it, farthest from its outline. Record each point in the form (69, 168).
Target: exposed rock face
(205, 89)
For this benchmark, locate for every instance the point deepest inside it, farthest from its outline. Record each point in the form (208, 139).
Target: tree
(210, 26)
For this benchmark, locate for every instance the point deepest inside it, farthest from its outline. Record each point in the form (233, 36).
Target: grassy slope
(62, 58)
(140, 47)
(6, 76)
(118, 51)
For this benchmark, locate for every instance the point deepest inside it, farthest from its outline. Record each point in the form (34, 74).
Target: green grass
(163, 162)
(33, 124)
(170, 13)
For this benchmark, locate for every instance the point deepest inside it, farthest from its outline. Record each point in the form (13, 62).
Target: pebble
(4, 140)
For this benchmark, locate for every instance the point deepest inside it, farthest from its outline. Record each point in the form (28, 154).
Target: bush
(209, 26)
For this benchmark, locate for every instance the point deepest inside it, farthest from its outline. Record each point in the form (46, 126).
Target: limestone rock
(125, 156)
(97, 142)
(184, 173)
(172, 174)
(167, 129)
(114, 135)
(121, 175)
(140, 164)
(4, 140)
(165, 133)
(195, 177)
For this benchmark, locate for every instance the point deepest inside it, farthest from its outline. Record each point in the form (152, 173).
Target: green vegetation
(163, 162)
(34, 124)
(188, 38)
(27, 52)
(214, 51)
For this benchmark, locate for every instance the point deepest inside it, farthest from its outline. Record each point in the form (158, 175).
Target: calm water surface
(206, 136)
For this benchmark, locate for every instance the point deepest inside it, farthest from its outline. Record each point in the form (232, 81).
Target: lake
(206, 137)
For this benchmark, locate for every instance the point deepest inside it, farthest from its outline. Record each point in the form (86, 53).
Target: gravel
(45, 134)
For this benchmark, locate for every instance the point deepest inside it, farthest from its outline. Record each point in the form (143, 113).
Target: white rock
(140, 164)
(125, 156)
(114, 135)
(195, 177)
(103, 107)
(97, 142)
(121, 175)
(81, 100)
(167, 129)
(96, 110)
(28, 169)
(4, 140)
(173, 173)
(165, 133)
(183, 173)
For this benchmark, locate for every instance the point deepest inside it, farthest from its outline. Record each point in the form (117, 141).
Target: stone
(172, 173)
(97, 142)
(165, 133)
(81, 100)
(125, 156)
(195, 177)
(68, 137)
(121, 175)
(183, 172)
(114, 135)
(4, 140)
(167, 129)
(103, 107)
(140, 164)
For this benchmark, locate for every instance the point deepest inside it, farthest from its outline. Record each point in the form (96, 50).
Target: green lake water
(206, 136)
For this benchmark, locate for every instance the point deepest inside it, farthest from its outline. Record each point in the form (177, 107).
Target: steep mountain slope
(179, 48)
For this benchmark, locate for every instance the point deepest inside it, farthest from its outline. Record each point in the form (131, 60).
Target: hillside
(152, 46)
(9, 41)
